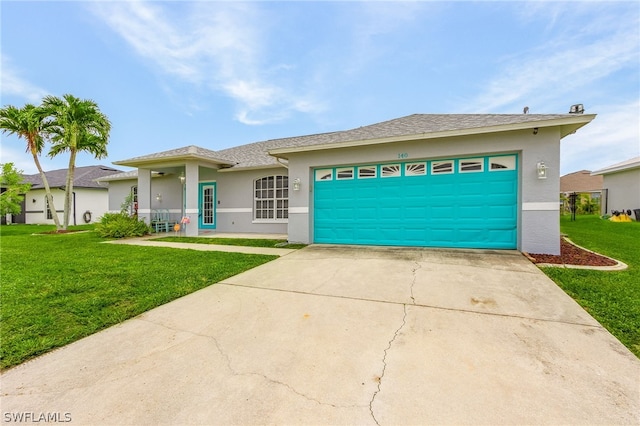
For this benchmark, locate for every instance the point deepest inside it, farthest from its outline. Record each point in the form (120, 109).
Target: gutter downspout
(285, 165)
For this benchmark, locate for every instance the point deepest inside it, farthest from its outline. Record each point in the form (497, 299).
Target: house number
(403, 155)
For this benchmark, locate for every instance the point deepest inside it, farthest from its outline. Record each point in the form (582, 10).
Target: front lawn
(612, 298)
(250, 242)
(58, 288)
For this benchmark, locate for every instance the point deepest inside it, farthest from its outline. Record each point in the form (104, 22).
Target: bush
(121, 225)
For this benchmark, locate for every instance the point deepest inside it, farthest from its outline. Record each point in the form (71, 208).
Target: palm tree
(76, 125)
(30, 123)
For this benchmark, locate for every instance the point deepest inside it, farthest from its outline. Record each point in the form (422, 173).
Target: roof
(632, 163)
(84, 177)
(411, 127)
(581, 181)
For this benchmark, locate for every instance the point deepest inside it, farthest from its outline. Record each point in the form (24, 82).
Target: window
(471, 165)
(344, 173)
(47, 210)
(367, 172)
(415, 169)
(390, 170)
(507, 162)
(324, 174)
(133, 208)
(441, 167)
(271, 198)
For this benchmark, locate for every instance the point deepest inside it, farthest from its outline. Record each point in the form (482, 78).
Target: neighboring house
(89, 201)
(621, 186)
(471, 181)
(581, 182)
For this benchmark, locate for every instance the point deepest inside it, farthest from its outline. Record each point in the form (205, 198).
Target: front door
(207, 203)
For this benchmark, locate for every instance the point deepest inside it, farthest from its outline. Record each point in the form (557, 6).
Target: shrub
(121, 225)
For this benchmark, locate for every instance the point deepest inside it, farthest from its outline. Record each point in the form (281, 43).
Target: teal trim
(476, 209)
(207, 195)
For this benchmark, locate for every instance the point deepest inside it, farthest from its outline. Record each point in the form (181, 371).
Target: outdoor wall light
(296, 184)
(159, 197)
(542, 170)
(182, 178)
(33, 200)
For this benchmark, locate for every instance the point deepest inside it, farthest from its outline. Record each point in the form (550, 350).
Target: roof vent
(525, 110)
(576, 109)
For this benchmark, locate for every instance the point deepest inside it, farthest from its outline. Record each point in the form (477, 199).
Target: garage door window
(441, 167)
(271, 202)
(507, 162)
(324, 174)
(390, 170)
(415, 169)
(367, 172)
(344, 173)
(471, 165)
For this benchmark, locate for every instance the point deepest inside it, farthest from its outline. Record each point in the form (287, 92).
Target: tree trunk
(68, 192)
(45, 182)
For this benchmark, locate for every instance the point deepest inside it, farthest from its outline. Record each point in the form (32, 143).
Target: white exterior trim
(299, 210)
(541, 206)
(235, 210)
(192, 211)
(144, 211)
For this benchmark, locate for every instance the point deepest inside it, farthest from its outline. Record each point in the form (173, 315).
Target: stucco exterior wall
(94, 200)
(538, 213)
(234, 198)
(623, 190)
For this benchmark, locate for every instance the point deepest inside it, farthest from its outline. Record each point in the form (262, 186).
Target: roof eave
(623, 168)
(243, 169)
(568, 125)
(141, 162)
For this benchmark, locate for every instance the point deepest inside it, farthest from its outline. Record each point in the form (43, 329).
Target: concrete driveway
(344, 335)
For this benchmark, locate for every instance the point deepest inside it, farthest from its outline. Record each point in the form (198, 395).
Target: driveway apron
(346, 335)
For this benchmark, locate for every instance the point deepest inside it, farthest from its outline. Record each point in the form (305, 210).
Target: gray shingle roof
(257, 154)
(190, 151)
(84, 177)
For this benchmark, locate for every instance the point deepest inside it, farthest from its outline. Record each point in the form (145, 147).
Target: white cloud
(613, 136)
(13, 84)
(570, 63)
(218, 46)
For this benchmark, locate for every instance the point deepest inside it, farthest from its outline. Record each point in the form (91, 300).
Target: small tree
(15, 188)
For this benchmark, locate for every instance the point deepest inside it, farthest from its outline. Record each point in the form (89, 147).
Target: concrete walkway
(150, 242)
(346, 335)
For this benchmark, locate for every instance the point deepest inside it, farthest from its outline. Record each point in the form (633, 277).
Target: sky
(222, 74)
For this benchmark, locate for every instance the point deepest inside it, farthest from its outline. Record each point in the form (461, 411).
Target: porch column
(191, 198)
(144, 195)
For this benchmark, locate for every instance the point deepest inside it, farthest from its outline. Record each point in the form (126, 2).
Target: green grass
(250, 242)
(612, 298)
(57, 288)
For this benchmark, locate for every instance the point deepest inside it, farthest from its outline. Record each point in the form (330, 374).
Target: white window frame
(375, 172)
(398, 166)
(345, 169)
(321, 175)
(510, 158)
(445, 172)
(47, 210)
(408, 171)
(470, 160)
(276, 198)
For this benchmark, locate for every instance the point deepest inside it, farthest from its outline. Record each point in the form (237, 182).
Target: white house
(621, 183)
(90, 199)
(470, 181)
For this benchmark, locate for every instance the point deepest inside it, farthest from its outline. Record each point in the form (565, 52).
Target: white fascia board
(621, 168)
(172, 161)
(243, 169)
(573, 124)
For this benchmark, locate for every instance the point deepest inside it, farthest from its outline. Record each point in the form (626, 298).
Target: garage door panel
(476, 209)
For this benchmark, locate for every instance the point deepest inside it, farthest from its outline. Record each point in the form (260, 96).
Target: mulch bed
(572, 255)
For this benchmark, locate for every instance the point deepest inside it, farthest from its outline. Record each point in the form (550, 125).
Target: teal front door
(458, 202)
(207, 203)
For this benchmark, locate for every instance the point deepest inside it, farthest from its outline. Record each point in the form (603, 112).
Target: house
(433, 180)
(90, 199)
(583, 183)
(621, 186)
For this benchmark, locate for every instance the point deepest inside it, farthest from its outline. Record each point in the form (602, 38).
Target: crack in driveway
(235, 372)
(384, 362)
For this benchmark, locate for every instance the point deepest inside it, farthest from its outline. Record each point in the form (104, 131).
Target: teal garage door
(461, 202)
